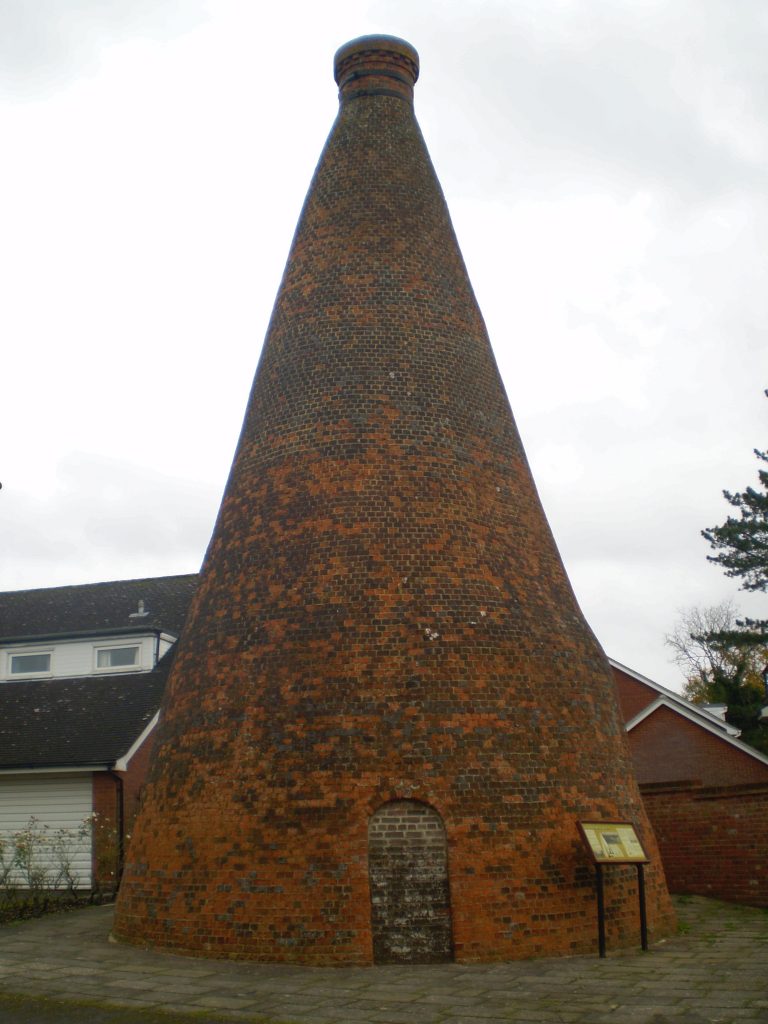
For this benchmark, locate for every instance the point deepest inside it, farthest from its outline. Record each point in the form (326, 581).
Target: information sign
(613, 842)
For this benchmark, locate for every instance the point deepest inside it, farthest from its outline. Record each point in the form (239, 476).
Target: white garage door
(49, 811)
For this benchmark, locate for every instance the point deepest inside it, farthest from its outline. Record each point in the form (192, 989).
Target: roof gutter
(119, 826)
(57, 769)
(79, 634)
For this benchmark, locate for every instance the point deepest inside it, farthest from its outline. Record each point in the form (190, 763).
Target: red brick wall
(633, 695)
(667, 747)
(134, 780)
(105, 831)
(108, 819)
(713, 841)
(706, 799)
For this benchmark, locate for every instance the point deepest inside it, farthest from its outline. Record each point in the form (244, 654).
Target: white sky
(604, 162)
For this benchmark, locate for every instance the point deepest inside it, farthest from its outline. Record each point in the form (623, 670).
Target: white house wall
(73, 658)
(59, 805)
(166, 643)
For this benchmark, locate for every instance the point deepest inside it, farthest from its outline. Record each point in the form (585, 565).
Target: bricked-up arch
(410, 900)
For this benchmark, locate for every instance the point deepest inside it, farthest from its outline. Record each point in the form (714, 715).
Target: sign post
(615, 842)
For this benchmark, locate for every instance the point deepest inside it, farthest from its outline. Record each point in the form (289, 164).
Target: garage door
(51, 810)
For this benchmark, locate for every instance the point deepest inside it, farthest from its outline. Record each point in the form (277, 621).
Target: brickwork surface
(382, 613)
(713, 840)
(109, 806)
(667, 747)
(632, 694)
(105, 865)
(134, 779)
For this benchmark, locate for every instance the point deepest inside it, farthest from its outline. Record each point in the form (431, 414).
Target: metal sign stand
(615, 842)
(601, 908)
(600, 911)
(641, 898)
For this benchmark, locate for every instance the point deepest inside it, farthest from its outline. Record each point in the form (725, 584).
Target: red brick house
(705, 792)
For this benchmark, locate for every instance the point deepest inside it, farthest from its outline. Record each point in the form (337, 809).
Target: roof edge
(54, 769)
(121, 764)
(696, 719)
(82, 634)
(677, 698)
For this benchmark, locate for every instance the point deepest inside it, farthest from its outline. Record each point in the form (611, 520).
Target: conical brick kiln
(387, 712)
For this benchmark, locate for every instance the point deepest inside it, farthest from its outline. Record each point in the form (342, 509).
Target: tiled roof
(96, 607)
(68, 722)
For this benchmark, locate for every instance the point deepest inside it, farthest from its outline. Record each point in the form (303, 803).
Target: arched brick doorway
(408, 868)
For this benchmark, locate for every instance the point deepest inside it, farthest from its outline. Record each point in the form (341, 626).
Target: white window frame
(26, 652)
(112, 669)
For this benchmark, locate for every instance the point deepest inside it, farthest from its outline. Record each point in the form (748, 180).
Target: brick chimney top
(376, 66)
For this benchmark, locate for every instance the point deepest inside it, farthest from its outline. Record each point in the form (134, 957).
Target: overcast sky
(605, 167)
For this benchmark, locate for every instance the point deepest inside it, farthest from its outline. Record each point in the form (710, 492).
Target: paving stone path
(715, 971)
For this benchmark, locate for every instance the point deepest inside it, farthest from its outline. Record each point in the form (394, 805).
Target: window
(31, 664)
(117, 657)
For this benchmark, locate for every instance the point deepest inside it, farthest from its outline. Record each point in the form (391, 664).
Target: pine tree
(740, 647)
(742, 543)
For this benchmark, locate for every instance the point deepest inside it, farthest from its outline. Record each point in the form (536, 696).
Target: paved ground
(715, 971)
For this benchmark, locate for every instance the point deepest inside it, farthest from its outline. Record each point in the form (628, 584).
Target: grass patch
(19, 905)
(26, 1009)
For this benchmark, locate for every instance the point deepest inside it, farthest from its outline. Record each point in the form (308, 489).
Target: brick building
(387, 714)
(706, 792)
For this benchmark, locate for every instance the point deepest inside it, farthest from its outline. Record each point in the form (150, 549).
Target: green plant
(38, 867)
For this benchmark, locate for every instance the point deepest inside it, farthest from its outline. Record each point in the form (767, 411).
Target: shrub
(37, 868)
